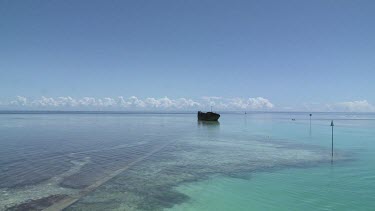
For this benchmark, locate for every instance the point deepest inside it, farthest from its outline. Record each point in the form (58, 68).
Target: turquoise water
(335, 186)
(117, 161)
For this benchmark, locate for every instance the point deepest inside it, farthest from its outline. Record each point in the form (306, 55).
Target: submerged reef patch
(37, 204)
(150, 184)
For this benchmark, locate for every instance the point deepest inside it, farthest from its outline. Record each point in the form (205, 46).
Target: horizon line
(10, 111)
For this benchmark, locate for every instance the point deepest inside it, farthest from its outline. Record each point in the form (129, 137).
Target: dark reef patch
(150, 185)
(38, 204)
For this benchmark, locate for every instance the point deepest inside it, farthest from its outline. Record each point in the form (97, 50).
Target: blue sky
(297, 55)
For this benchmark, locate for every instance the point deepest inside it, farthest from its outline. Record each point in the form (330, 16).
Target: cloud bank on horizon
(135, 103)
(352, 106)
(179, 104)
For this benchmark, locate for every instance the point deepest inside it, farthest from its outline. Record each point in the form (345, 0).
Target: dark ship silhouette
(209, 116)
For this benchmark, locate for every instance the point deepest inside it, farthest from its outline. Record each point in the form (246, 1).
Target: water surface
(118, 161)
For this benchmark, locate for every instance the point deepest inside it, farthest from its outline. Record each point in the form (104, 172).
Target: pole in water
(310, 123)
(332, 138)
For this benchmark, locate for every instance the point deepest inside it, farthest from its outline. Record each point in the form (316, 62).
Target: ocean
(149, 161)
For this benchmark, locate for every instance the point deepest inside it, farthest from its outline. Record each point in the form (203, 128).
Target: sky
(289, 55)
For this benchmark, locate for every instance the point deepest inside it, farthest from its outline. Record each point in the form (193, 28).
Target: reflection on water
(129, 162)
(209, 124)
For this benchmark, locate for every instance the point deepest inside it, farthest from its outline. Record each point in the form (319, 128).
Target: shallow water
(258, 161)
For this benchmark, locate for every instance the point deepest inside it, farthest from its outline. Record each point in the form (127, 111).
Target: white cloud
(258, 103)
(135, 103)
(183, 102)
(109, 102)
(20, 101)
(214, 101)
(252, 103)
(87, 101)
(54, 102)
(352, 106)
(167, 103)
